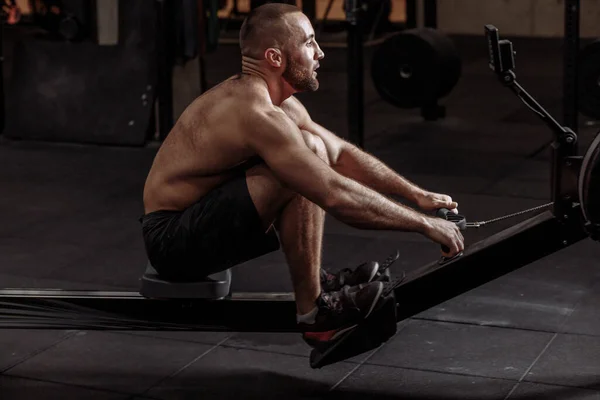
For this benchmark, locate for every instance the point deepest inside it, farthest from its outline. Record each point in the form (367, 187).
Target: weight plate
(415, 68)
(449, 59)
(589, 183)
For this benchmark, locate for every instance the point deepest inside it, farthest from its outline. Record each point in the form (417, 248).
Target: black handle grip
(458, 219)
(442, 213)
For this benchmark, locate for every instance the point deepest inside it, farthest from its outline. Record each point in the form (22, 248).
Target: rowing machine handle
(448, 215)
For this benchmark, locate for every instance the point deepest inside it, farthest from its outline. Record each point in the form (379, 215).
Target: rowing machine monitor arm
(565, 162)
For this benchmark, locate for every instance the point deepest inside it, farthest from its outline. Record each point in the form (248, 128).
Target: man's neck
(278, 90)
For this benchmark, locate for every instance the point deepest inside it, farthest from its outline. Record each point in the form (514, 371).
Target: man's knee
(321, 150)
(317, 145)
(268, 194)
(262, 177)
(265, 187)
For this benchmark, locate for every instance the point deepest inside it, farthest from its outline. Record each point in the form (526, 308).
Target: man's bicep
(280, 144)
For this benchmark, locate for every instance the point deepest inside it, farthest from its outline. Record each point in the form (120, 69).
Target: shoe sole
(341, 332)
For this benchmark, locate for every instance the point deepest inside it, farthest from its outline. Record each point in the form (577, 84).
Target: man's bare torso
(206, 146)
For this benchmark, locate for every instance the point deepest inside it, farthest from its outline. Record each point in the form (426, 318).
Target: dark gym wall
(84, 92)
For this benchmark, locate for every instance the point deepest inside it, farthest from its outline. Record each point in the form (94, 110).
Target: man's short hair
(266, 26)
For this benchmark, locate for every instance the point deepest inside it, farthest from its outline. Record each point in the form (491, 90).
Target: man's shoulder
(293, 103)
(296, 111)
(258, 115)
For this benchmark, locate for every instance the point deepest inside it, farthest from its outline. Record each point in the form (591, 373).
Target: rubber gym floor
(69, 220)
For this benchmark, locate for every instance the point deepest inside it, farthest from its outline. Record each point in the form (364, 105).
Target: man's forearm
(369, 171)
(364, 208)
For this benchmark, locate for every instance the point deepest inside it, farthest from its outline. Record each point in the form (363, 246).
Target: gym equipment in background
(589, 80)
(415, 69)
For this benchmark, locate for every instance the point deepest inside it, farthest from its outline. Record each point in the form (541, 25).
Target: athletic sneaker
(340, 311)
(364, 273)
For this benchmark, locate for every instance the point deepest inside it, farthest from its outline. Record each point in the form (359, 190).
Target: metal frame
(571, 41)
(164, 64)
(2, 96)
(355, 61)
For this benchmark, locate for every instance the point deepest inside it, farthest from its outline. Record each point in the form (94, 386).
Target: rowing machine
(210, 305)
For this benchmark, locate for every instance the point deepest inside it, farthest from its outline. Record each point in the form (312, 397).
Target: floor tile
(282, 343)
(109, 361)
(21, 344)
(111, 265)
(463, 349)
(212, 338)
(386, 383)
(585, 318)
(532, 391)
(541, 296)
(35, 257)
(571, 360)
(12, 388)
(24, 280)
(264, 274)
(229, 373)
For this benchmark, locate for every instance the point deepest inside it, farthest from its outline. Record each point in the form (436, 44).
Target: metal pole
(571, 50)
(164, 84)
(2, 106)
(562, 150)
(309, 8)
(355, 72)
(411, 14)
(430, 14)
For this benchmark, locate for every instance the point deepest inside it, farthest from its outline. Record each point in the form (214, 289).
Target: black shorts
(216, 233)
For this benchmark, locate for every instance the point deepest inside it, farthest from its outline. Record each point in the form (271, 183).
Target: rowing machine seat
(213, 287)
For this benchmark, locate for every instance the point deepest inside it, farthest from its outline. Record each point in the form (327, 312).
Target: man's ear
(274, 57)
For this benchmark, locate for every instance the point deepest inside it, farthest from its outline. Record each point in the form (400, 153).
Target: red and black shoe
(339, 312)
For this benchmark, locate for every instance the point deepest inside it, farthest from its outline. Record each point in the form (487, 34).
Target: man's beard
(300, 79)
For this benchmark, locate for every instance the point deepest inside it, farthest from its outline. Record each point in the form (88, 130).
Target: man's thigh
(224, 229)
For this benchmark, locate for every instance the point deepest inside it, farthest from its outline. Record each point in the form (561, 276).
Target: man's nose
(320, 54)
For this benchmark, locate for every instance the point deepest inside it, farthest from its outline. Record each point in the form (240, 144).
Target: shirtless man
(245, 170)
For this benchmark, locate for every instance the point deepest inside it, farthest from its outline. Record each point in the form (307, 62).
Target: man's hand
(429, 201)
(447, 234)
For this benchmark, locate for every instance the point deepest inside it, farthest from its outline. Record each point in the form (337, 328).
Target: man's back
(205, 147)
